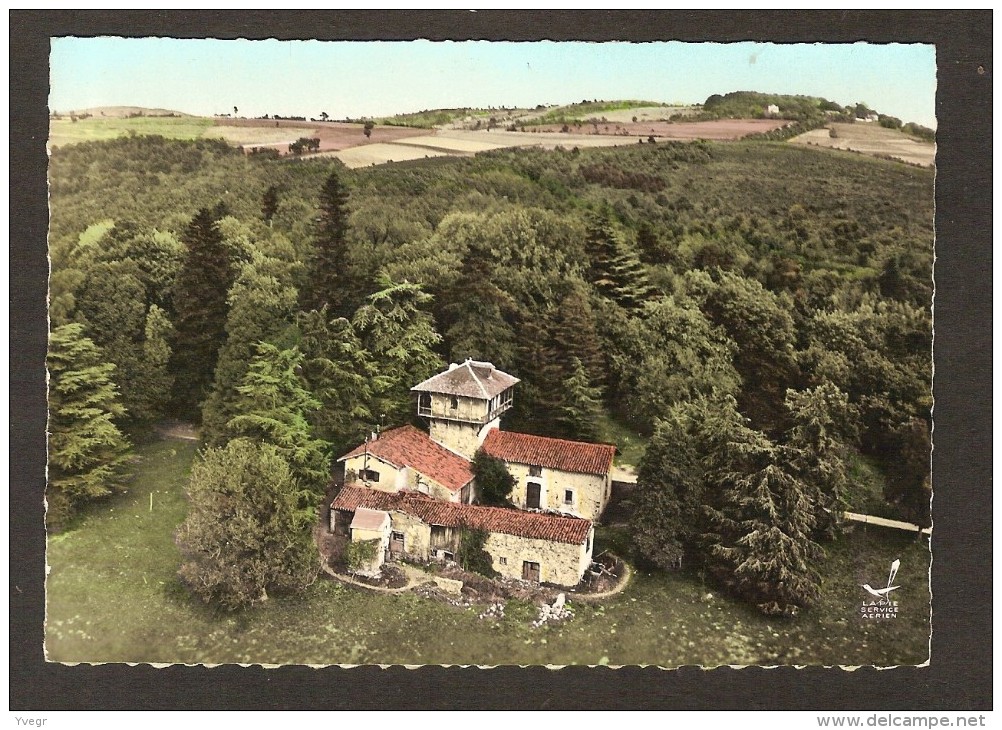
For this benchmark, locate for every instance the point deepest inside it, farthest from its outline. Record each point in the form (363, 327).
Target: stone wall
(559, 562)
(590, 492)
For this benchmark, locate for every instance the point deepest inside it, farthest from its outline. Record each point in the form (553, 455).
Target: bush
(472, 556)
(360, 554)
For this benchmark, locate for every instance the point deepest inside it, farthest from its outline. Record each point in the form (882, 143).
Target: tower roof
(472, 379)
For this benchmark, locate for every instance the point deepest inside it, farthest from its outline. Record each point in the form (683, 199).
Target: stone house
(405, 458)
(571, 477)
(425, 481)
(529, 546)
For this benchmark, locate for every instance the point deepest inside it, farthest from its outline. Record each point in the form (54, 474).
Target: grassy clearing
(630, 444)
(112, 597)
(63, 131)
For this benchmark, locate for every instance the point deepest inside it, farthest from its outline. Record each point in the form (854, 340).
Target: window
(502, 561)
(368, 475)
(535, 471)
(424, 403)
(588, 546)
(568, 496)
(454, 403)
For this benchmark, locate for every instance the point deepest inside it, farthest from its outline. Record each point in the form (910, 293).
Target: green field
(65, 131)
(112, 596)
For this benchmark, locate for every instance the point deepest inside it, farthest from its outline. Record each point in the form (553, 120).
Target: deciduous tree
(247, 534)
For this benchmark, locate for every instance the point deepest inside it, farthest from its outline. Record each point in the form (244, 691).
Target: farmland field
(719, 129)
(112, 596)
(872, 139)
(65, 131)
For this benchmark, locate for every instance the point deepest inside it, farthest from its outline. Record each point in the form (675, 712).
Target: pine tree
(824, 422)
(248, 531)
(329, 282)
(400, 336)
(273, 407)
(269, 204)
(201, 306)
(339, 373)
(479, 313)
(575, 335)
(261, 304)
(156, 381)
(759, 540)
(614, 268)
(111, 304)
(581, 406)
(87, 451)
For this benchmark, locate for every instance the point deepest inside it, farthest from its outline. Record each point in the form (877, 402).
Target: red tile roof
(573, 456)
(533, 525)
(472, 378)
(410, 446)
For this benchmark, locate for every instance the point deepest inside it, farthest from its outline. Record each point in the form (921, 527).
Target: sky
(358, 79)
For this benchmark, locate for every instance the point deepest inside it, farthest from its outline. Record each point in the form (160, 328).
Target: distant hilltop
(115, 112)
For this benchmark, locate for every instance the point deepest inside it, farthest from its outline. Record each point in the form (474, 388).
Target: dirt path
(415, 578)
(178, 430)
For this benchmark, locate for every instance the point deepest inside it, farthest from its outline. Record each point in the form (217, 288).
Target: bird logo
(882, 592)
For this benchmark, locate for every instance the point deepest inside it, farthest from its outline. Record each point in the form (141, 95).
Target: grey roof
(369, 519)
(472, 379)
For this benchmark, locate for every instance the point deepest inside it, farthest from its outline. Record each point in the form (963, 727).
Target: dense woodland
(760, 312)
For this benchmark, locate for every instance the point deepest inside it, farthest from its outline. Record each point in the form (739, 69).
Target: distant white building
(772, 110)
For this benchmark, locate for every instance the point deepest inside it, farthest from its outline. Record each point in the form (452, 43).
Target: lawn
(112, 596)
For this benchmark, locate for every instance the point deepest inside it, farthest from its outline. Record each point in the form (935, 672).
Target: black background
(959, 676)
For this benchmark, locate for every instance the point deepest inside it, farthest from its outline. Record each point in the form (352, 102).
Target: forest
(758, 313)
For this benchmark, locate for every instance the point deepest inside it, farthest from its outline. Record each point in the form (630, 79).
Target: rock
(448, 585)
(558, 604)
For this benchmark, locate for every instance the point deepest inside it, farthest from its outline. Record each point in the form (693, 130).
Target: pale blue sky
(354, 79)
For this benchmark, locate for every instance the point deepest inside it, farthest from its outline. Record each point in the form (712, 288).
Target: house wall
(462, 438)
(383, 535)
(591, 491)
(392, 479)
(467, 409)
(417, 535)
(559, 563)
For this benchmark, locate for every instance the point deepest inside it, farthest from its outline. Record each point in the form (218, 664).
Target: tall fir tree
(614, 267)
(200, 300)
(87, 451)
(261, 306)
(581, 405)
(759, 540)
(479, 313)
(156, 381)
(399, 334)
(329, 281)
(273, 408)
(340, 374)
(816, 447)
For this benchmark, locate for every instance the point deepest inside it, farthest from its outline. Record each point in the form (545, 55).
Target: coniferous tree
(273, 408)
(479, 313)
(581, 406)
(614, 268)
(758, 542)
(156, 381)
(824, 423)
(200, 300)
(247, 534)
(261, 304)
(575, 335)
(269, 204)
(328, 280)
(340, 374)
(400, 335)
(87, 451)
(111, 303)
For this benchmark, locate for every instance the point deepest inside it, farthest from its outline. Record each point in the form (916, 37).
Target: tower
(464, 403)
